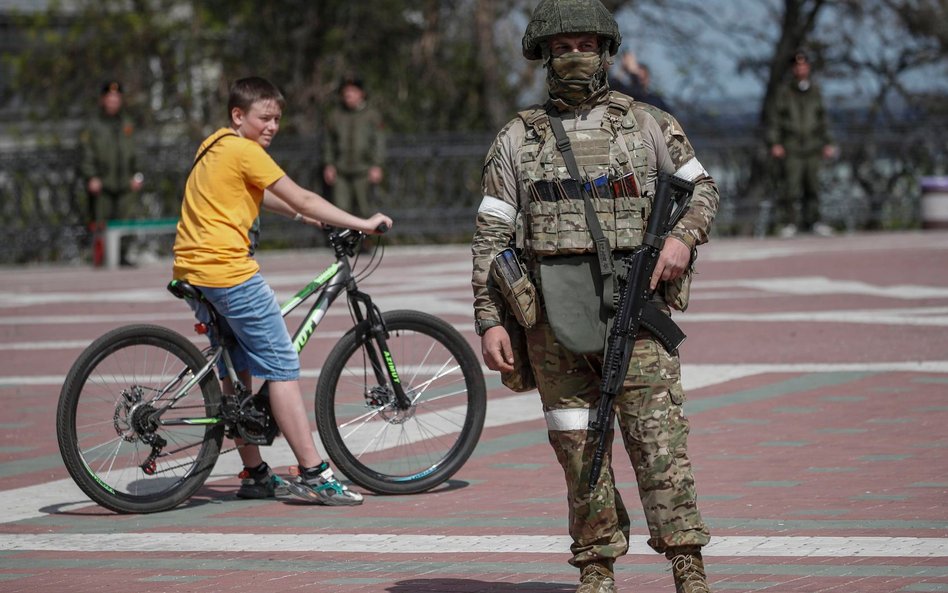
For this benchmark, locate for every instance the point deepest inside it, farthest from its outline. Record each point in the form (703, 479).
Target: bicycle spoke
(109, 434)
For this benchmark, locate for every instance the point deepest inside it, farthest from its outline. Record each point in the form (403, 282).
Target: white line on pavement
(694, 376)
(738, 546)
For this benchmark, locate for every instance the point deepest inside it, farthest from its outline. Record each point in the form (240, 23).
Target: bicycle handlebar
(347, 241)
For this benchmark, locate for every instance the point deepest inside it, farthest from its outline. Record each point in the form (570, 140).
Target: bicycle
(400, 401)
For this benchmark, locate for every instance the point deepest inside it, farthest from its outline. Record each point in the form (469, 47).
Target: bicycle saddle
(184, 290)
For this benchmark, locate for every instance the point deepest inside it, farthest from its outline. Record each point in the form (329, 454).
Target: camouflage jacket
(798, 120)
(504, 197)
(354, 140)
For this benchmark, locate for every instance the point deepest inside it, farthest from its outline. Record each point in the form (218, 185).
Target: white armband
(691, 170)
(499, 208)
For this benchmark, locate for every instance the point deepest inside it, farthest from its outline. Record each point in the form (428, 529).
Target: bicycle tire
(98, 421)
(390, 452)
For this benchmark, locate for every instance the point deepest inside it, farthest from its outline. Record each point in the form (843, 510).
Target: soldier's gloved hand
(496, 349)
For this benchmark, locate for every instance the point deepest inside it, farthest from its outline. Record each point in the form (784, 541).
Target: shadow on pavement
(446, 585)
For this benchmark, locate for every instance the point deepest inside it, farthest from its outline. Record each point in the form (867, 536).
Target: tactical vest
(614, 160)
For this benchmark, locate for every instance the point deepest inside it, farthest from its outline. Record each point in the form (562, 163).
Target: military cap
(799, 57)
(112, 86)
(351, 80)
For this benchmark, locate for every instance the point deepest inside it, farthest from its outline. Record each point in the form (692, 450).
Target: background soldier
(108, 168)
(353, 149)
(799, 138)
(635, 79)
(526, 200)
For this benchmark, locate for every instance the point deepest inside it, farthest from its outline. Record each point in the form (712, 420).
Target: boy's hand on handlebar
(377, 224)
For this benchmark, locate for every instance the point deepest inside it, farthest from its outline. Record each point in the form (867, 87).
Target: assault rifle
(634, 309)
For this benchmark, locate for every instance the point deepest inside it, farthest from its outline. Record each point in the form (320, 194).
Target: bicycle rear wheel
(106, 426)
(391, 451)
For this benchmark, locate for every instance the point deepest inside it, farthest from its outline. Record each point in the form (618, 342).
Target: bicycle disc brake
(382, 399)
(134, 420)
(132, 417)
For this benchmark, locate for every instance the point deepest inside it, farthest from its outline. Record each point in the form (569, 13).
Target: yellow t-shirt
(216, 233)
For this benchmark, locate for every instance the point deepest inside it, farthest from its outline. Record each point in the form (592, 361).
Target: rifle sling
(603, 249)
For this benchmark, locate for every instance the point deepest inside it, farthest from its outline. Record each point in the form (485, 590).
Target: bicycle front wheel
(392, 451)
(125, 444)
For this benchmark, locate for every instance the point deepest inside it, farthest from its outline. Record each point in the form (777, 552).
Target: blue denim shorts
(251, 311)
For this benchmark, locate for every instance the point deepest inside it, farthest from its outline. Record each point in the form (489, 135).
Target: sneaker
(261, 482)
(596, 578)
(821, 229)
(788, 231)
(318, 485)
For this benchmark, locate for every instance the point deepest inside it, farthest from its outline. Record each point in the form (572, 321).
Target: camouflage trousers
(654, 430)
(799, 201)
(353, 193)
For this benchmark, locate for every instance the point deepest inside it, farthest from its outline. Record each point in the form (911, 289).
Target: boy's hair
(247, 91)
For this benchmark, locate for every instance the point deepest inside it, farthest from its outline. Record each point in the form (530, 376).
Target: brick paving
(817, 375)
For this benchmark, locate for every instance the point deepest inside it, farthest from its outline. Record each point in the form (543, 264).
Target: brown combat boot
(596, 578)
(688, 570)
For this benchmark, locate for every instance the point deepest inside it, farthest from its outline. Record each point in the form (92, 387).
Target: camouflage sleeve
(378, 139)
(496, 218)
(329, 141)
(87, 164)
(133, 153)
(823, 119)
(773, 133)
(676, 155)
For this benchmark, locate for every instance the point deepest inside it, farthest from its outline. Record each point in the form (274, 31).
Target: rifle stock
(634, 295)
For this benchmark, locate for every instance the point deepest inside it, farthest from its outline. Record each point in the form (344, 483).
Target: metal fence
(432, 186)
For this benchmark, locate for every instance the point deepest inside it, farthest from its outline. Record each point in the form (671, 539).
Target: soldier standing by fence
(799, 139)
(108, 167)
(353, 150)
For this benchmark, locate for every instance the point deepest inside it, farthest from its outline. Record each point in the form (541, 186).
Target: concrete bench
(116, 229)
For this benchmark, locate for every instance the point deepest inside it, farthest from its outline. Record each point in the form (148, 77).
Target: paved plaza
(817, 379)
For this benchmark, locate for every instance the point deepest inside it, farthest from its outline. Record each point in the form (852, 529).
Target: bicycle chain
(180, 465)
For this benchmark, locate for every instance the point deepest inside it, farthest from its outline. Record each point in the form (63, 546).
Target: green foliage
(176, 59)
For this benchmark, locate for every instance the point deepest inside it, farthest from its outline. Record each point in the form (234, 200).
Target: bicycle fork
(370, 327)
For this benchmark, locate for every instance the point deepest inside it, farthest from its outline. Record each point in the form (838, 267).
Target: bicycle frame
(326, 287)
(368, 320)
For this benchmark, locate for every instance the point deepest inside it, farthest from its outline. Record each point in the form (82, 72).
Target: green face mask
(575, 76)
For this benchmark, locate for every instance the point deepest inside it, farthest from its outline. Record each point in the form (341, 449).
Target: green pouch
(572, 294)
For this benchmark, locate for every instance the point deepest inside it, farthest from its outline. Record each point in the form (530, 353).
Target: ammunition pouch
(559, 227)
(520, 305)
(519, 292)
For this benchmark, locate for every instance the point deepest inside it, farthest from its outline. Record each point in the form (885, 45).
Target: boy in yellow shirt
(233, 177)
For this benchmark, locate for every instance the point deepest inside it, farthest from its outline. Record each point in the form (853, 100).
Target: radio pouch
(515, 285)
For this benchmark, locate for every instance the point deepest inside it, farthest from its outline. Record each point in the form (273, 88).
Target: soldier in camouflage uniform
(353, 150)
(108, 166)
(799, 139)
(612, 135)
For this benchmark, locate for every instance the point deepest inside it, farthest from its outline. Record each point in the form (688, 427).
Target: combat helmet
(552, 17)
